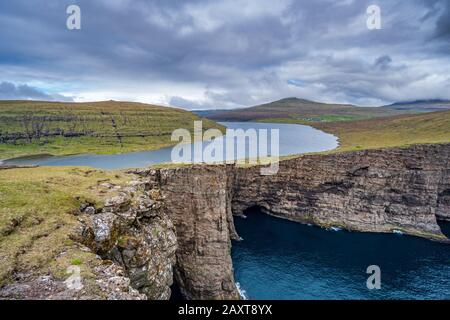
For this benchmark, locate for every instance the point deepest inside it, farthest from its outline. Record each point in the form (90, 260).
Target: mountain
(421, 105)
(295, 109)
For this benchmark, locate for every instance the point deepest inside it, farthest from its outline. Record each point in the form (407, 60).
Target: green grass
(76, 262)
(32, 128)
(36, 218)
(334, 117)
(396, 131)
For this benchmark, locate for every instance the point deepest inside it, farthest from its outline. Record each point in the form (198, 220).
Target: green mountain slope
(31, 127)
(403, 130)
(301, 110)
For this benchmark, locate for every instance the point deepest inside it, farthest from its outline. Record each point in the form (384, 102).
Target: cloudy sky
(201, 54)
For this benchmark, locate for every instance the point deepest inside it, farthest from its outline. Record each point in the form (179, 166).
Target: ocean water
(293, 139)
(280, 259)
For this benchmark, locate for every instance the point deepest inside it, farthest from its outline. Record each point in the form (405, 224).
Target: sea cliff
(174, 225)
(385, 190)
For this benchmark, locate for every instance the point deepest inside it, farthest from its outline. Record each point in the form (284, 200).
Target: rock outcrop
(109, 282)
(405, 189)
(196, 200)
(133, 231)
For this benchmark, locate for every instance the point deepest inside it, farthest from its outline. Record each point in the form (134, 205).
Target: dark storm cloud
(10, 91)
(228, 53)
(383, 62)
(443, 23)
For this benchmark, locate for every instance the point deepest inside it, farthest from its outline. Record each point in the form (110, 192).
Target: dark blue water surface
(280, 259)
(293, 139)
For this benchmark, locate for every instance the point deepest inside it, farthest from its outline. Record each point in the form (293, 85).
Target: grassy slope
(395, 131)
(357, 127)
(28, 128)
(36, 207)
(303, 110)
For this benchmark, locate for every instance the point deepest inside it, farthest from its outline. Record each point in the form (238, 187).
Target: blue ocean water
(280, 259)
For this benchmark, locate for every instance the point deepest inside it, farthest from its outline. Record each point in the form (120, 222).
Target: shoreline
(46, 156)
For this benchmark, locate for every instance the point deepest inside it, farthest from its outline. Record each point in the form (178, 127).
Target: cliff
(405, 189)
(177, 224)
(373, 190)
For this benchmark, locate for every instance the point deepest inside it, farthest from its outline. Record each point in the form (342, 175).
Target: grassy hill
(400, 124)
(403, 130)
(301, 110)
(31, 127)
(422, 105)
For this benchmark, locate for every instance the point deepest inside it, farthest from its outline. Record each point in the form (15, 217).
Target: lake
(293, 139)
(280, 259)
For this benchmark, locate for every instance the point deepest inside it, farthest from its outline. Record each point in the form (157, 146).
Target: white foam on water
(397, 232)
(336, 229)
(241, 291)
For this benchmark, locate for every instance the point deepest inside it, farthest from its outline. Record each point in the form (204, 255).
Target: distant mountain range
(422, 105)
(301, 110)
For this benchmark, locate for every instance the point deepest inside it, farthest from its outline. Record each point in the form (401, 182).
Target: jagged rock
(106, 231)
(137, 236)
(89, 210)
(107, 185)
(160, 236)
(109, 283)
(120, 202)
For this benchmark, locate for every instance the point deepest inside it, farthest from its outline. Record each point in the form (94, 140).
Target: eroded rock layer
(375, 190)
(405, 189)
(196, 200)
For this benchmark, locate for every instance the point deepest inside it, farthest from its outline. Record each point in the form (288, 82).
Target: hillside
(31, 127)
(301, 110)
(403, 130)
(421, 105)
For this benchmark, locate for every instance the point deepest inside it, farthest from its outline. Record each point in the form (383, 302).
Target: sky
(223, 54)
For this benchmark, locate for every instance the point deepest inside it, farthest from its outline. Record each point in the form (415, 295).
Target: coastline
(319, 140)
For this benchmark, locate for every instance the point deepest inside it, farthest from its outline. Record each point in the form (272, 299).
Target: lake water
(280, 259)
(293, 139)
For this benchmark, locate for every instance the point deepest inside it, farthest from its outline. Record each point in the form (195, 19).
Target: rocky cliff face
(197, 201)
(133, 231)
(177, 223)
(372, 191)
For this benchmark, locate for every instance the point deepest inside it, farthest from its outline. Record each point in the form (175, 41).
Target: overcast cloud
(225, 54)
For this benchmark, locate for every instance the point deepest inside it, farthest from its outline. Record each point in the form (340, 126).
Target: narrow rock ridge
(405, 189)
(197, 201)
